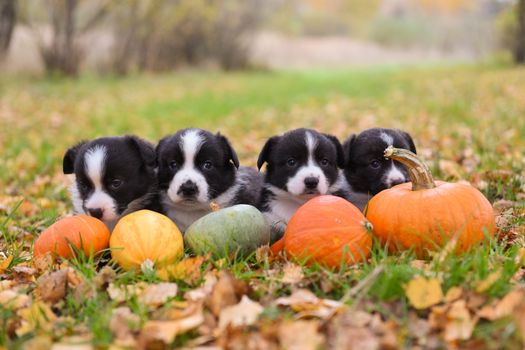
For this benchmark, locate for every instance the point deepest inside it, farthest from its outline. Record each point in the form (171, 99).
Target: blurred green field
(447, 109)
(468, 122)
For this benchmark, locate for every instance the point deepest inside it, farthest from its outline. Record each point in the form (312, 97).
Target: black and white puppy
(114, 176)
(301, 164)
(366, 169)
(196, 168)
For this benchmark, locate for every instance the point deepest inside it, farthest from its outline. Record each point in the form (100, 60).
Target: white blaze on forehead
(295, 184)
(389, 140)
(311, 142)
(190, 144)
(94, 163)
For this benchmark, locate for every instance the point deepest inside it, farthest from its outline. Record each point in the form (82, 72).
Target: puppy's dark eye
(84, 187)
(115, 183)
(375, 164)
(325, 162)
(291, 162)
(207, 165)
(173, 165)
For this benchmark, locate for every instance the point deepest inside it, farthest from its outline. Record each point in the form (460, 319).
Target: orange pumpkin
(83, 232)
(144, 236)
(328, 230)
(425, 215)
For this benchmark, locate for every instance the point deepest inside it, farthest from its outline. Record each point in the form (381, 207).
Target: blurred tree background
(159, 35)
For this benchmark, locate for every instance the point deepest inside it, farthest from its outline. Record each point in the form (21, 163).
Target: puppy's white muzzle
(179, 189)
(309, 179)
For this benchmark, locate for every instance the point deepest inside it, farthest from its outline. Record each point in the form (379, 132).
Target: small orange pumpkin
(144, 236)
(328, 230)
(425, 215)
(83, 232)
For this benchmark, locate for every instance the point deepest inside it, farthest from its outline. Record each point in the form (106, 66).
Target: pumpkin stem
(367, 225)
(214, 206)
(419, 173)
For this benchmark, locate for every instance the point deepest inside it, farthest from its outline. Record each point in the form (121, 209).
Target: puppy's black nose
(188, 189)
(96, 213)
(311, 182)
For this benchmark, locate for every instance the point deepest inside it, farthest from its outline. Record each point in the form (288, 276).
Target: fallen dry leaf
(293, 273)
(123, 324)
(179, 310)
(24, 273)
(519, 317)
(358, 338)
(245, 313)
(423, 293)
(520, 257)
(166, 331)
(504, 307)
(488, 282)
(418, 328)
(4, 263)
(356, 329)
(13, 300)
(262, 254)
(157, 294)
(300, 335)
(104, 277)
(38, 316)
(239, 340)
(40, 342)
(299, 300)
(123, 293)
(43, 263)
(225, 292)
(501, 205)
(438, 317)
(460, 324)
(52, 287)
(187, 270)
(205, 290)
(6, 284)
(308, 305)
(74, 343)
(450, 168)
(453, 294)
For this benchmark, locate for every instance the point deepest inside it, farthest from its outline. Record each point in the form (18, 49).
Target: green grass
(449, 111)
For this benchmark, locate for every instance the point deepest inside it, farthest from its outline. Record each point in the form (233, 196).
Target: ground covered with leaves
(468, 123)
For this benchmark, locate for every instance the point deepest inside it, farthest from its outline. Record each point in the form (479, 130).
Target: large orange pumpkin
(425, 215)
(83, 232)
(328, 230)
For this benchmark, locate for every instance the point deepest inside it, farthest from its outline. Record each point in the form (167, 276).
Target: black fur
(129, 160)
(289, 174)
(278, 150)
(365, 165)
(187, 187)
(216, 149)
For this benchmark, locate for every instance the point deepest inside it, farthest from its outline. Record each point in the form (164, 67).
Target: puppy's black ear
(68, 163)
(267, 149)
(347, 148)
(145, 150)
(230, 152)
(408, 138)
(339, 150)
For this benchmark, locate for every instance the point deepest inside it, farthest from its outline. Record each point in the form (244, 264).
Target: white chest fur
(283, 206)
(183, 214)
